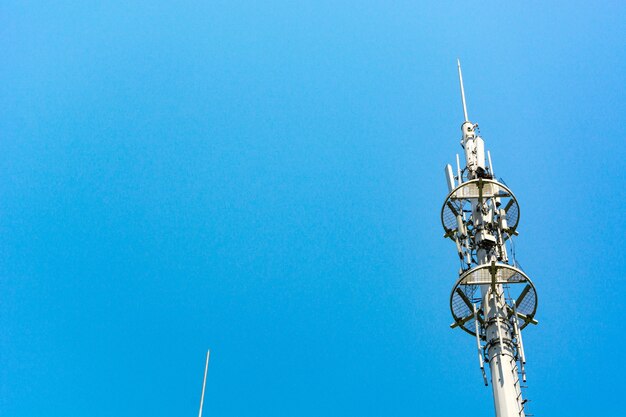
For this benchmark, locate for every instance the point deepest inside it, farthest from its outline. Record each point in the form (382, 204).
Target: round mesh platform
(460, 200)
(519, 293)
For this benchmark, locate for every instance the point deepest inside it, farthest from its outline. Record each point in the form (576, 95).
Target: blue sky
(265, 179)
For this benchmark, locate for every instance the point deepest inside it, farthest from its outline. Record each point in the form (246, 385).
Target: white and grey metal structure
(493, 299)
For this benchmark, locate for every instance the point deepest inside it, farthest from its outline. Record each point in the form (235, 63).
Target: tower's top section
(471, 142)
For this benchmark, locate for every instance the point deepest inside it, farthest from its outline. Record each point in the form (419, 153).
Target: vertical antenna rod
(206, 369)
(458, 63)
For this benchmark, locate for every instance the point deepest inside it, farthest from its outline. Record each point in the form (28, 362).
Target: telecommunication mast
(493, 299)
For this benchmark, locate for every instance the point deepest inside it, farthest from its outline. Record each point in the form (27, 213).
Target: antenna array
(493, 299)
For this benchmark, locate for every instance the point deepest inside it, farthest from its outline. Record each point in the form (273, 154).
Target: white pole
(206, 369)
(507, 397)
(450, 178)
(458, 62)
(505, 384)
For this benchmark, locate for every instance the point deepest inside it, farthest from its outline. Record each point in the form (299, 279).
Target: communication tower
(493, 299)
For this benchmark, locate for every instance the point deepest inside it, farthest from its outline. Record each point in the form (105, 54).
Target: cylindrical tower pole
(505, 384)
(507, 396)
(507, 393)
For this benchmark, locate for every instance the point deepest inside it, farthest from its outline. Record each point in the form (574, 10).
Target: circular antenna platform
(480, 190)
(519, 293)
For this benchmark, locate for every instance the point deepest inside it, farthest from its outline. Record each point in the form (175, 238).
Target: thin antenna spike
(206, 369)
(458, 62)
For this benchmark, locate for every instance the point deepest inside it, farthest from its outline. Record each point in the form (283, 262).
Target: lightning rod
(206, 369)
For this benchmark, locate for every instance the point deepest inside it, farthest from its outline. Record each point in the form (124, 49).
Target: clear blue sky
(265, 179)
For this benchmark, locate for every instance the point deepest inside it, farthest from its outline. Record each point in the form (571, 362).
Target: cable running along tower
(493, 299)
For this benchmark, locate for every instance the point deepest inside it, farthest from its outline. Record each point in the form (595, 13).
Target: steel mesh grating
(460, 309)
(528, 304)
(512, 215)
(515, 277)
(449, 218)
(469, 192)
(482, 275)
